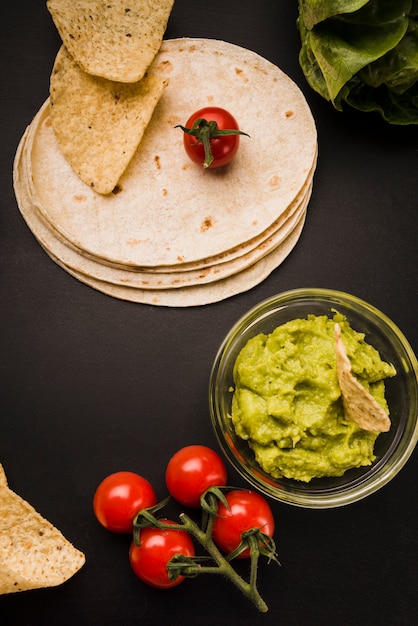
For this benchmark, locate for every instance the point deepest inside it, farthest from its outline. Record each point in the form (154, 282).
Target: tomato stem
(190, 566)
(205, 131)
(249, 589)
(254, 539)
(254, 556)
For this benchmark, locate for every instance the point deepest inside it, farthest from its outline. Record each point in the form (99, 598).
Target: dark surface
(91, 384)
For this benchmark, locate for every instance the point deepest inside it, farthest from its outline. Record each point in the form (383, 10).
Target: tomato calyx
(205, 130)
(213, 561)
(146, 518)
(255, 539)
(209, 501)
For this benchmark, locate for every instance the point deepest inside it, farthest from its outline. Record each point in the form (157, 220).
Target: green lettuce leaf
(362, 53)
(314, 12)
(401, 109)
(398, 69)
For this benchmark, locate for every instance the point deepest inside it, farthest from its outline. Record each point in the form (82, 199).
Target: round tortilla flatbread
(72, 257)
(168, 211)
(210, 266)
(92, 274)
(200, 294)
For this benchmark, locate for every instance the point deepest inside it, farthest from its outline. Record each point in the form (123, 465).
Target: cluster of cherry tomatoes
(189, 474)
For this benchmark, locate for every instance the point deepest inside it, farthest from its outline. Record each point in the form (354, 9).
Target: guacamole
(287, 401)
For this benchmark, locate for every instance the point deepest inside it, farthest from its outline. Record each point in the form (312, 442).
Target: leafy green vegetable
(363, 53)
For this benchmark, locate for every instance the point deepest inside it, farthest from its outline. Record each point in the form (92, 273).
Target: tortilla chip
(115, 40)
(33, 553)
(3, 479)
(359, 405)
(99, 123)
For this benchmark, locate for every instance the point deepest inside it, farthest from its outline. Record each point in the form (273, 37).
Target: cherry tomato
(158, 546)
(247, 510)
(118, 499)
(191, 471)
(223, 148)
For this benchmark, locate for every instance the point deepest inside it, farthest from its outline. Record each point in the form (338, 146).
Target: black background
(91, 384)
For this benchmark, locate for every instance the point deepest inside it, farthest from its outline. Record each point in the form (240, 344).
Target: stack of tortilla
(171, 233)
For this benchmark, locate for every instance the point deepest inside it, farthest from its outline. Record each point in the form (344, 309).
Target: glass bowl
(392, 449)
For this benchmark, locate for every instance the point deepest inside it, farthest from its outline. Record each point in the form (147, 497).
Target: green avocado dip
(287, 401)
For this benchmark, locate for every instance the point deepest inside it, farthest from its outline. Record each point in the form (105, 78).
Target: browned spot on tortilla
(289, 114)
(173, 120)
(206, 224)
(240, 73)
(274, 181)
(165, 67)
(134, 242)
(164, 192)
(180, 259)
(80, 198)
(157, 162)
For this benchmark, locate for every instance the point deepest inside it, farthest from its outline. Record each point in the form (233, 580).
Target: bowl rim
(378, 476)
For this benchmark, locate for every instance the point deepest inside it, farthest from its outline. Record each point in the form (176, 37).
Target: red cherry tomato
(118, 499)
(223, 148)
(149, 560)
(247, 510)
(191, 471)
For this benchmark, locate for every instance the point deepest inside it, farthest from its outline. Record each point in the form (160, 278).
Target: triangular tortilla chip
(33, 553)
(99, 123)
(359, 405)
(116, 40)
(3, 479)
